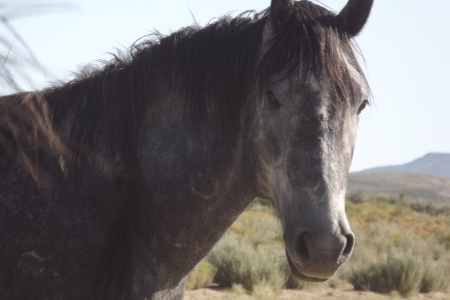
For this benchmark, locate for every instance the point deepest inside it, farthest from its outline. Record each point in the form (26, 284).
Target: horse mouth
(297, 275)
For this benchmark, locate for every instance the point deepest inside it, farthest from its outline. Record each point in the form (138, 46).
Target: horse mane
(215, 72)
(211, 70)
(26, 119)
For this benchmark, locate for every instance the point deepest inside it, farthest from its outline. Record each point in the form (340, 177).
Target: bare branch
(5, 58)
(16, 56)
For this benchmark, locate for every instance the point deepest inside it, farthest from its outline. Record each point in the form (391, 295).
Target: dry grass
(239, 260)
(401, 245)
(323, 294)
(403, 274)
(201, 276)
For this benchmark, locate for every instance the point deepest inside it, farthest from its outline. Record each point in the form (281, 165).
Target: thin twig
(22, 41)
(6, 58)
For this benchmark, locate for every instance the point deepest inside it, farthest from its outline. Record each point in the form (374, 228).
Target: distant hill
(437, 164)
(417, 186)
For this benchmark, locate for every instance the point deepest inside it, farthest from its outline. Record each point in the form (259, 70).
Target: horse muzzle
(315, 258)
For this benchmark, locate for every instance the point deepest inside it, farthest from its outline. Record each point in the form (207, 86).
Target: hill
(417, 186)
(437, 164)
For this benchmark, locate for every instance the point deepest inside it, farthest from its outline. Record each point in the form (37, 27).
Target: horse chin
(298, 275)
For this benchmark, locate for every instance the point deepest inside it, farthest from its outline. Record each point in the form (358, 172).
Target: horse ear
(355, 15)
(280, 11)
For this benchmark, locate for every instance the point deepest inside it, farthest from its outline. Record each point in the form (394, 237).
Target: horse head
(314, 91)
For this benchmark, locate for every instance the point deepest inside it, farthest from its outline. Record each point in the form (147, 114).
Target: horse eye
(272, 99)
(363, 105)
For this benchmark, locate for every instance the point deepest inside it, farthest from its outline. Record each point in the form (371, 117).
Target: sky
(405, 45)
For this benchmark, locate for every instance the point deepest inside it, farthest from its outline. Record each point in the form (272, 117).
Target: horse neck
(197, 188)
(196, 177)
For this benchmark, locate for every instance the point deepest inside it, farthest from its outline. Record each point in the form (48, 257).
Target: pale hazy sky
(405, 44)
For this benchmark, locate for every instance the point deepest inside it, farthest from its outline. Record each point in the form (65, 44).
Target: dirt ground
(346, 293)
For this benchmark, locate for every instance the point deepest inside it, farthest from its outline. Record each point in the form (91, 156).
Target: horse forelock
(313, 43)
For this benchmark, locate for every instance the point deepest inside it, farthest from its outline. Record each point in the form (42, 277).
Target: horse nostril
(301, 246)
(349, 245)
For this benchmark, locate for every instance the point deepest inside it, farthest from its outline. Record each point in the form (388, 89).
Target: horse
(116, 183)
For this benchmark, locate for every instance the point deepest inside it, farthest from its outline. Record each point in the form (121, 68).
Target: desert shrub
(238, 289)
(356, 198)
(425, 248)
(260, 228)
(435, 278)
(431, 208)
(264, 292)
(238, 261)
(201, 276)
(444, 240)
(375, 240)
(405, 273)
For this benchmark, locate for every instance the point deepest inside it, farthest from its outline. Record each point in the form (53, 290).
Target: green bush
(239, 262)
(201, 276)
(434, 279)
(393, 274)
(444, 240)
(407, 274)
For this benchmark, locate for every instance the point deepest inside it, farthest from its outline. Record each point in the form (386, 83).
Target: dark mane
(214, 70)
(210, 69)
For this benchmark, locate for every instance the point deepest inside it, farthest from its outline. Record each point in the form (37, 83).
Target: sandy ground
(346, 293)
